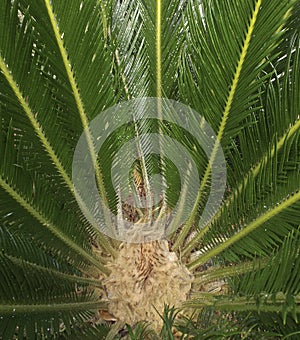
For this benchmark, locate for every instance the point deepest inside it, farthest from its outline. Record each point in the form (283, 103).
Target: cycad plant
(235, 65)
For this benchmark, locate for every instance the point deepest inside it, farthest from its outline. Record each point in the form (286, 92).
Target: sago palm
(224, 261)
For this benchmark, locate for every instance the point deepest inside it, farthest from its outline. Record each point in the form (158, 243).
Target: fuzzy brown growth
(145, 276)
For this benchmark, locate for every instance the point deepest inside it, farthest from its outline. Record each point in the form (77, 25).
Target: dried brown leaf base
(143, 278)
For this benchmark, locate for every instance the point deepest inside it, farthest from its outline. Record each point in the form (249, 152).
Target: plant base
(143, 278)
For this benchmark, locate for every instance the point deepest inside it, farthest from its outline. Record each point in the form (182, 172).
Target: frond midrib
(235, 303)
(158, 49)
(48, 225)
(51, 307)
(220, 273)
(277, 209)
(46, 144)
(184, 231)
(253, 173)
(84, 119)
(54, 272)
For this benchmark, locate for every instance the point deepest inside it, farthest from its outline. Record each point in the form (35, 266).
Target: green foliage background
(235, 62)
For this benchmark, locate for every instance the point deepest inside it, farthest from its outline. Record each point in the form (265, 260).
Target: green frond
(22, 252)
(259, 148)
(38, 292)
(280, 275)
(262, 303)
(238, 40)
(23, 210)
(141, 331)
(76, 88)
(41, 320)
(50, 157)
(226, 272)
(153, 29)
(287, 211)
(129, 51)
(169, 316)
(273, 286)
(212, 324)
(236, 63)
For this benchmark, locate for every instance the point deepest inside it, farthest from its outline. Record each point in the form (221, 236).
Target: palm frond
(39, 293)
(64, 64)
(22, 252)
(46, 319)
(212, 324)
(265, 146)
(280, 275)
(238, 40)
(42, 71)
(273, 286)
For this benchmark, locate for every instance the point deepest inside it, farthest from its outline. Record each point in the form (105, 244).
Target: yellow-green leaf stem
(51, 227)
(34, 123)
(54, 307)
(159, 85)
(239, 303)
(225, 272)
(158, 49)
(158, 33)
(246, 230)
(233, 88)
(41, 135)
(104, 20)
(53, 272)
(79, 103)
(80, 107)
(47, 147)
(251, 174)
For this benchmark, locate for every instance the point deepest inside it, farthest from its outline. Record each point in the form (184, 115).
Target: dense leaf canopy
(235, 62)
